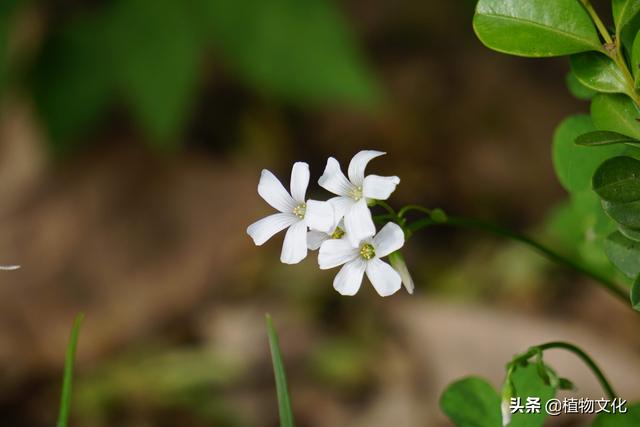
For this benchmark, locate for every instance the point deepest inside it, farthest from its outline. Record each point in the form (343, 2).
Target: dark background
(132, 135)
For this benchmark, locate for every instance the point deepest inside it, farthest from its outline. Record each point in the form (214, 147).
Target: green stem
(596, 20)
(597, 372)
(497, 230)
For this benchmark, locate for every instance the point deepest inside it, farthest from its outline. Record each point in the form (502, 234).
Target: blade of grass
(67, 380)
(284, 403)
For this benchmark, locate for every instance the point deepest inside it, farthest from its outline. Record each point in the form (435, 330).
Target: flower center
(356, 193)
(300, 210)
(367, 251)
(338, 233)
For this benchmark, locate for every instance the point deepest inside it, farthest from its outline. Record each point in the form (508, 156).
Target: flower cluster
(342, 228)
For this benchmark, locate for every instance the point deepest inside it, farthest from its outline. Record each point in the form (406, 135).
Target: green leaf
(528, 383)
(629, 233)
(472, 402)
(615, 113)
(299, 51)
(635, 59)
(156, 52)
(618, 180)
(625, 214)
(623, 12)
(624, 254)
(635, 295)
(598, 72)
(535, 28)
(72, 80)
(577, 89)
(602, 137)
(284, 402)
(67, 381)
(629, 419)
(576, 164)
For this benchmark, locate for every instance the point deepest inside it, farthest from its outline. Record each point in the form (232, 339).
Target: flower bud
(398, 263)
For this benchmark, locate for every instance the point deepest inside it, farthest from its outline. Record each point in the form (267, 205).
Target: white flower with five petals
(353, 193)
(364, 258)
(295, 213)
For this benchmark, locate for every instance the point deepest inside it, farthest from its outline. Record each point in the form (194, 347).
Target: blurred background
(132, 135)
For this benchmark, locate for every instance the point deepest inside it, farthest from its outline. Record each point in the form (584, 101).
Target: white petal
(384, 279)
(299, 181)
(320, 215)
(262, 230)
(272, 191)
(294, 248)
(341, 206)
(334, 180)
(9, 267)
(389, 239)
(379, 187)
(315, 239)
(349, 278)
(359, 163)
(358, 222)
(335, 252)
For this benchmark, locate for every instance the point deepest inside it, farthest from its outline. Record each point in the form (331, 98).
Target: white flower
(316, 238)
(295, 213)
(364, 257)
(354, 192)
(9, 267)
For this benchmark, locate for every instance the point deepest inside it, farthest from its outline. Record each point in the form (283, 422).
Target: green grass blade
(284, 403)
(65, 400)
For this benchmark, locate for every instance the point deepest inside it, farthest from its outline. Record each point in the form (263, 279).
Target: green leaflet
(577, 89)
(602, 137)
(630, 419)
(535, 28)
(624, 254)
(575, 164)
(635, 59)
(617, 180)
(472, 402)
(598, 72)
(615, 113)
(623, 12)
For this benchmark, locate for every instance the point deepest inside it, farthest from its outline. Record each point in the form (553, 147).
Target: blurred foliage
(148, 56)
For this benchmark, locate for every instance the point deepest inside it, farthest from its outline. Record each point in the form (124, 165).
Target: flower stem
(497, 230)
(597, 372)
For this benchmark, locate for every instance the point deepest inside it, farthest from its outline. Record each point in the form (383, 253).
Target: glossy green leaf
(616, 113)
(625, 214)
(624, 254)
(618, 180)
(629, 419)
(156, 52)
(284, 401)
(67, 380)
(577, 89)
(623, 12)
(603, 137)
(575, 164)
(528, 383)
(298, 51)
(629, 233)
(472, 402)
(535, 28)
(635, 59)
(598, 72)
